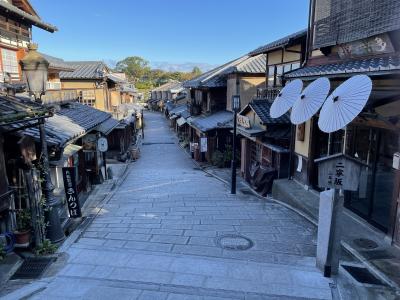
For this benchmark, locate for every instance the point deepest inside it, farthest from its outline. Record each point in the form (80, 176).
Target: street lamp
(35, 70)
(235, 108)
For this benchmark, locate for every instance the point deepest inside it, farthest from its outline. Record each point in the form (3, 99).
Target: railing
(269, 93)
(62, 96)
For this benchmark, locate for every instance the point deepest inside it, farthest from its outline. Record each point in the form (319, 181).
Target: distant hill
(181, 67)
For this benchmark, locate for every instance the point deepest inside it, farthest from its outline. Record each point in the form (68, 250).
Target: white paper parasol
(284, 101)
(345, 103)
(310, 100)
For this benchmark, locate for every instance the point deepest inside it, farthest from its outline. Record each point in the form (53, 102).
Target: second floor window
(88, 97)
(10, 61)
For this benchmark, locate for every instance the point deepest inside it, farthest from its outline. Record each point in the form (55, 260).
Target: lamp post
(35, 70)
(235, 108)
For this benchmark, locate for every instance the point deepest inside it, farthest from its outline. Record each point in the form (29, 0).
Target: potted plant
(24, 226)
(46, 248)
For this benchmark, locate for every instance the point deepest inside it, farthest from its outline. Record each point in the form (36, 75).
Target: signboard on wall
(243, 121)
(89, 142)
(378, 44)
(71, 192)
(203, 144)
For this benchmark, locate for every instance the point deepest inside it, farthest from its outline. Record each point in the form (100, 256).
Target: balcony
(269, 93)
(60, 96)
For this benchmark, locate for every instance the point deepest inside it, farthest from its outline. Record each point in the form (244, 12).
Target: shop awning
(182, 121)
(173, 117)
(221, 119)
(107, 126)
(69, 150)
(249, 132)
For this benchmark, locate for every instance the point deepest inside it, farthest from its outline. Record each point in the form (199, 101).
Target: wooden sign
(71, 192)
(301, 131)
(339, 171)
(243, 121)
(203, 144)
(378, 44)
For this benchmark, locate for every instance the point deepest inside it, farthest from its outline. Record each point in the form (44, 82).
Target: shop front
(264, 145)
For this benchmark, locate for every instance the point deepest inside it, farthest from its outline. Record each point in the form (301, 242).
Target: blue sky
(174, 31)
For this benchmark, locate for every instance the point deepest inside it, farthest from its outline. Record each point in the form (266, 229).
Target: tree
(196, 71)
(135, 67)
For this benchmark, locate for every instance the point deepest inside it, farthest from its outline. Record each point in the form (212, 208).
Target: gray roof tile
(368, 65)
(262, 108)
(34, 20)
(217, 77)
(220, 119)
(70, 122)
(85, 70)
(285, 41)
(57, 63)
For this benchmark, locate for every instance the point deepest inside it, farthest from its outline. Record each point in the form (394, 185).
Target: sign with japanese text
(203, 144)
(378, 44)
(71, 192)
(339, 172)
(243, 121)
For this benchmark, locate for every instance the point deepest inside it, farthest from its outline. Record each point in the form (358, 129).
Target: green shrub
(46, 248)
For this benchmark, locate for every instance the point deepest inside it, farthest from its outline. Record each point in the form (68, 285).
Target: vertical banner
(71, 192)
(203, 144)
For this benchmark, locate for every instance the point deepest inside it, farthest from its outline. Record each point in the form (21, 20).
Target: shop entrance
(374, 147)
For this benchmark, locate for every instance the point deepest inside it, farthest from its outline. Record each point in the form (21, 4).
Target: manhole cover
(362, 275)
(365, 243)
(234, 242)
(33, 267)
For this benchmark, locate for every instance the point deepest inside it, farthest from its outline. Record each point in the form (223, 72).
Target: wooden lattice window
(88, 97)
(10, 61)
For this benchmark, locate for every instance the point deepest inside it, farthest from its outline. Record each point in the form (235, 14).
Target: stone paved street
(155, 238)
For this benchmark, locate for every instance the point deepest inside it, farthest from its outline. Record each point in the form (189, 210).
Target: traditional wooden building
(265, 142)
(166, 92)
(97, 86)
(264, 145)
(210, 107)
(338, 48)
(19, 177)
(16, 21)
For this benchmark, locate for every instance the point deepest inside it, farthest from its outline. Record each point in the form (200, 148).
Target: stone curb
(38, 286)
(26, 291)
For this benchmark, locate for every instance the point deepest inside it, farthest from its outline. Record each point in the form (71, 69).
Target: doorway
(373, 200)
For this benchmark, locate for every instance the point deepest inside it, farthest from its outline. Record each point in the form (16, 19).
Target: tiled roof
(11, 9)
(57, 63)
(214, 77)
(217, 77)
(252, 65)
(115, 78)
(368, 65)
(177, 110)
(18, 109)
(262, 107)
(169, 105)
(85, 70)
(107, 126)
(285, 41)
(170, 85)
(69, 123)
(220, 119)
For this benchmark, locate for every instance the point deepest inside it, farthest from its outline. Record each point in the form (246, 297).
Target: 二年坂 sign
(71, 192)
